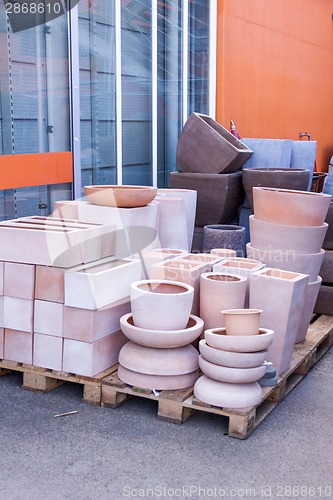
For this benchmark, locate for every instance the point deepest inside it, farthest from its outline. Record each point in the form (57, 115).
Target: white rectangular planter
(1, 277)
(53, 242)
(98, 285)
(18, 346)
(18, 314)
(19, 280)
(48, 318)
(47, 351)
(67, 209)
(2, 333)
(89, 359)
(1, 311)
(88, 326)
(50, 284)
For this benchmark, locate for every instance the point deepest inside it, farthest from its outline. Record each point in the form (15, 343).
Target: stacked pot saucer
(160, 354)
(232, 359)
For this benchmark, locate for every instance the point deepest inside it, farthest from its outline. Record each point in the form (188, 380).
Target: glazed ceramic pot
(162, 338)
(242, 321)
(311, 294)
(172, 223)
(224, 252)
(287, 178)
(289, 260)
(161, 304)
(231, 375)
(152, 361)
(219, 196)
(226, 395)
(280, 294)
(120, 196)
(231, 359)
(204, 146)
(217, 338)
(220, 291)
(158, 382)
(224, 235)
(300, 239)
(286, 206)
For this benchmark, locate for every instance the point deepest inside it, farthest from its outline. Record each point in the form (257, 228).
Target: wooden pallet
(44, 380)
(178, 406)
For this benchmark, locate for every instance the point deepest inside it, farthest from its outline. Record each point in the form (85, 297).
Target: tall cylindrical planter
(172, 224)
(224, 236)
(220, 291)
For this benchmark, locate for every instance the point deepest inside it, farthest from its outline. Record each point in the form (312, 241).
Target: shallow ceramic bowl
(217, 338)
(162, 338)
(159, 382)
(231, 359)
(227, 395)
(231, 375)
(120, 196)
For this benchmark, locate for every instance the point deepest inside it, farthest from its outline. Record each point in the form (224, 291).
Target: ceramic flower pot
(161, 304)
(300, 239)
(286, 178)
(242, 321)
(220, 291)
(286, 206)
(158, 382)
(231, 375)
(204, 146)
(151, 361)
(203, 257)
(231, 359)
(162, 338)
(226, 395)
(311, 294)
(156, 256)
(280, 294)
(224, 235)
(172, 223)
(120, 196)
(289, 260)
(217, 338)
(224, 252)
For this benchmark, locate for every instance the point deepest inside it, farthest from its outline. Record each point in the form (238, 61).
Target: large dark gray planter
(219, 195)
(224, 236)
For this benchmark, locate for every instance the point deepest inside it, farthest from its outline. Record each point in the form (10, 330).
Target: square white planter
(50, 284)
(19, 280)
(2, 334)
(48, 318)
(18, 314)
(47, 351)
(53, 242)
(98, 285)
(89, 359)
(67, 209)
(88, 326)
(18, 346)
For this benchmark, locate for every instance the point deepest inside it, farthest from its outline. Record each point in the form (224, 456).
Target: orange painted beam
(18, 171)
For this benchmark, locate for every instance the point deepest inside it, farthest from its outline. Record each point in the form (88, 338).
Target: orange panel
(275, 70)
(17, 171)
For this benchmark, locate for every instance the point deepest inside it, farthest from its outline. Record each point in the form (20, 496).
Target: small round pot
(162, 339)
(231, 359)
(227, 395)
(120, 196)
(158, 382)
(159, 361)
(161, 304)
(290, 207)
(242, 321)
(231, 375)
(217, 338)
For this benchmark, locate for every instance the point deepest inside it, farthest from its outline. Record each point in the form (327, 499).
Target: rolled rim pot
(217, 338)
(231, 375)
(125, 196)
(227, 395)
(231, 359)
(158, 382)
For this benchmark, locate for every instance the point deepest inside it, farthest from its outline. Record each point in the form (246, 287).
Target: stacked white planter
(160, 329)
(232, 361)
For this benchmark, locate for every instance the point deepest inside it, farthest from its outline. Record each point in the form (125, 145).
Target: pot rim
(187, 289)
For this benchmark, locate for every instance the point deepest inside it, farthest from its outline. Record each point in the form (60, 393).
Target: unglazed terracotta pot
(311, 294)
(217, 338)
(224, 252)
(120, 196)
(227, 395)
(159, 382)
(231, 359)
(220, 291)
(280, 294)
(157, 255)
(161, 304)
(172, 223)
(242, 321)
(286, 206)
(231, 375)
(151, 361)
(300, 239)
(203, 257)
(162, 338)
(289, 260)
(286, 178)
(204, 146)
